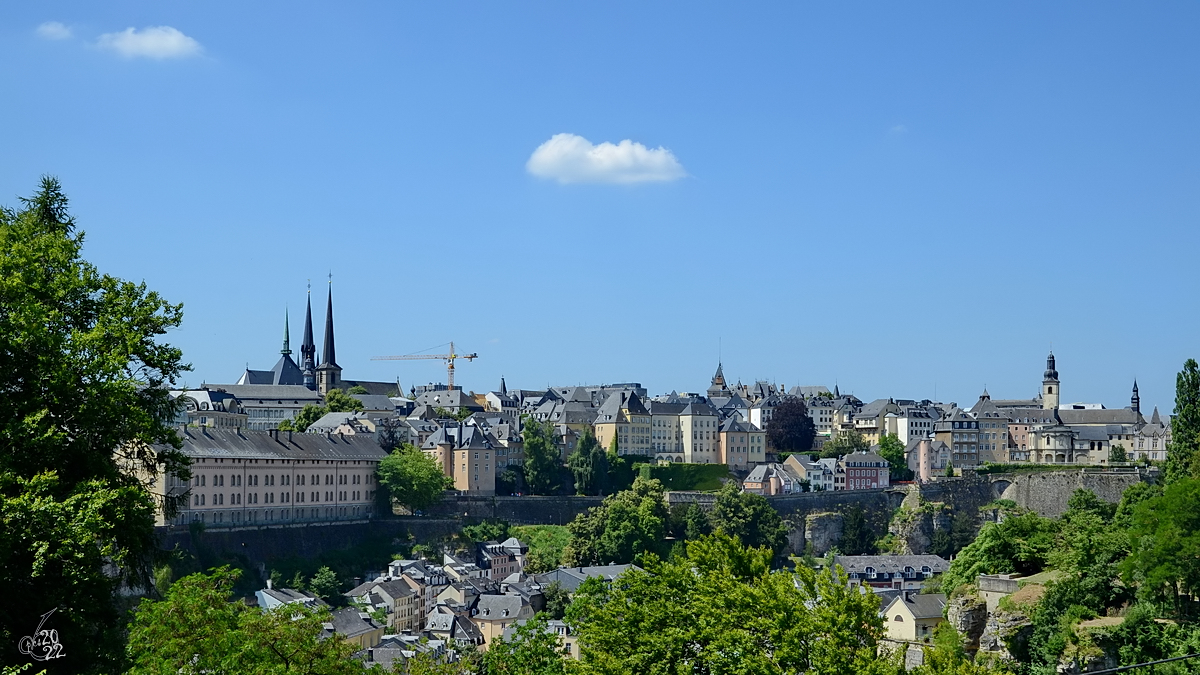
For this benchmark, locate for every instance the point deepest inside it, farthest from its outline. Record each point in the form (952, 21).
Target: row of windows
(236, 498)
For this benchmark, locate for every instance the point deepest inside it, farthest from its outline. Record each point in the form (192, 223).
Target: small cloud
(53, 30)
(569, 158)
(152, 42)
(899, 129)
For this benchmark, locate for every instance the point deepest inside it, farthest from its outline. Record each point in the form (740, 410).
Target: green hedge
(687, 476)
(1023, 468)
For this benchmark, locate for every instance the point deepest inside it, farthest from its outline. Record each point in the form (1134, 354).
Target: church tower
(1050, 388)
(329, 373)
(1135, 401)
(308, 350)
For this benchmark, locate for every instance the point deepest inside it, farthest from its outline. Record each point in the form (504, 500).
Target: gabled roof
(244, 443)
(922, 606)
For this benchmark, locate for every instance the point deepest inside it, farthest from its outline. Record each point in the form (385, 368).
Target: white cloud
(568, 158)
(53, 30)
(152, 42)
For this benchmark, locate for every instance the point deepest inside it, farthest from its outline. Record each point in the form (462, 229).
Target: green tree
(589, 465)
(727, 613)
(1117, 454)
(337, 400)
(286, 425)
(199, 627)
(542, 461)
(948, 656)
(791, 429)
(325, 584)
(858, 538)
(307, 416)
(844, 443)
(1182, 458)
(532, 650)
(487, 530)
(891, 448)
(357, 389)
(625, 526)
(546, 545)
(1020, 544)
(557, 600)
(749, 517)
(689, 521)
(1164, 541)
(85, 420)
(414, 479)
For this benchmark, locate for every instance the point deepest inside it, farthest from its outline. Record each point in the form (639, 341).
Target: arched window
(898, 618)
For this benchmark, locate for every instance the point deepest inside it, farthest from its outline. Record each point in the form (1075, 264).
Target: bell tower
(1050, 388)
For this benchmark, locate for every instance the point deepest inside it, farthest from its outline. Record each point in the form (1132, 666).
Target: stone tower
(1050, 388)
(1135, 401)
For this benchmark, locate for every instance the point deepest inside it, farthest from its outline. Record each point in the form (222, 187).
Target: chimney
(908, 596)
(289, 436)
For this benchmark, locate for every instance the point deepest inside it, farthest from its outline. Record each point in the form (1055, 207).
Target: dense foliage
(414, 479)
(791, 429)
(589, 465)
(719, 609)
(844, 443)
(542, 461)
(891, 448)
(85, 422)
(335, 401)
(625, 526)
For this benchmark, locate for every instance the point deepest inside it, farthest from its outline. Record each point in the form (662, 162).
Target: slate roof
(571, 577)
(893, 564)
(922, 606)
(375, 402)
(501, 607)
(244, 443)
(1102, 416)
(350, 622)
(284, 372)
(258, 394)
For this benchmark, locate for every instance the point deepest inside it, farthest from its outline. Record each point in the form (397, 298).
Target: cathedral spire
(1135, 401)
(287, 342)
(329, 373)
(330, 357)
(308, 350)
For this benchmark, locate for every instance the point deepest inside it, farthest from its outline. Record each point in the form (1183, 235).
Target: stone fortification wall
(524, 510)
(302, 541)
(1047, 493)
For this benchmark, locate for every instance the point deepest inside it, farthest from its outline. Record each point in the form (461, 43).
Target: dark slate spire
(1051, 373)
(308, 350)
(1135, 401)
(503, 387)
(287, 342)
(329, 355)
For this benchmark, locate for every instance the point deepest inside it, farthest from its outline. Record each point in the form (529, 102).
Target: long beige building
(243, 478)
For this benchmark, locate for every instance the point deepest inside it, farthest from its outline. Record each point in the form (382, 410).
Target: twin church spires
(327, 375)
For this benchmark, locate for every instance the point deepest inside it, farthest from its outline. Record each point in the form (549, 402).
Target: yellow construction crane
(448, 358)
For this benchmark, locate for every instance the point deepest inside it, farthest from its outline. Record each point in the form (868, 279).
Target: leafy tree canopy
(542, 461)
(719, 609)
(414, 479)
(891, 448)
(85, 419)
(589, 465)
(199, 627)
(748, 517)
(791, 429)
(624, 527)
(845, 443)
(1182, 459)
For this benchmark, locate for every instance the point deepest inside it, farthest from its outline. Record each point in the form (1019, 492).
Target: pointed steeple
(1135, 401)
(719, 378)
(836, 393)
(329, 373)
(1155, 419)
(503, 387)
(308, 350)
(327, 349)
(287, 342)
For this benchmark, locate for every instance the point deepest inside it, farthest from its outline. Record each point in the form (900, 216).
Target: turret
(1135, 401)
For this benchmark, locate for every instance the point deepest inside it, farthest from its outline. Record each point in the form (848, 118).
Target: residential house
(568, 641)
(901, 572)
(271, 597)
(400, 601)
(741, 445)
(355, 627)
(864, 470)
(206, 407)
(494, 613)
(501, 559)
(623, 416)
(772, 479)
(914, 617)
(467, 455)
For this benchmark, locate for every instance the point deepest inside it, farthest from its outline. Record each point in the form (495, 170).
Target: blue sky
(907, 199)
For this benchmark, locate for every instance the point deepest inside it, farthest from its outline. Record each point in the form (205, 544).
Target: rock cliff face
(968, 615)
(823, 531)
(913, 529)
(1003, 629)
